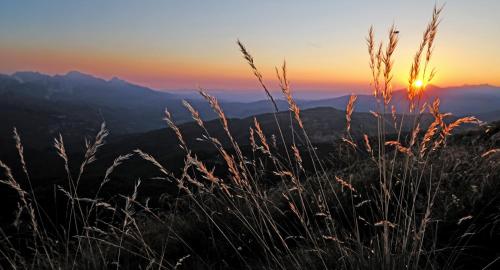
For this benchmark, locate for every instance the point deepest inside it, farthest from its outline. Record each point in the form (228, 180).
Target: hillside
(463, 100)
(74, 104)
(323, 125)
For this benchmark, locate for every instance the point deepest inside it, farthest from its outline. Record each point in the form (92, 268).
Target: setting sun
(419, 83)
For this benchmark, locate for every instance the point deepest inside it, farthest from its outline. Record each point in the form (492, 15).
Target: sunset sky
(182, 44)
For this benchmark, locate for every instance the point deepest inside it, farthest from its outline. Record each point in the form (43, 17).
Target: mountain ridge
(75, 103)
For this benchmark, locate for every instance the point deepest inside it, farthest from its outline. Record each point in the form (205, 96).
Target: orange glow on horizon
(181, 45)
(175, 72)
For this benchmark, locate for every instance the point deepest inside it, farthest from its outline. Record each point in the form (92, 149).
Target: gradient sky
(182, 44)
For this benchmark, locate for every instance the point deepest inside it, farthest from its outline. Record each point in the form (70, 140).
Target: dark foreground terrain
(258, 203)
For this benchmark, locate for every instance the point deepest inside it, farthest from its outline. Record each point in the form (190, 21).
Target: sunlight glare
(419, 83)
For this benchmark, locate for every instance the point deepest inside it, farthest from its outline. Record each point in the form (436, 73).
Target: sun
(419, 83)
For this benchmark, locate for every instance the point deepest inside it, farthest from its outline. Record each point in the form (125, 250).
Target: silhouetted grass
(417, 200)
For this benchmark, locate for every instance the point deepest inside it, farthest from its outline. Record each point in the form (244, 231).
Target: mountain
(489, 116)
(41, 106)
(324, 126)
(462, 100)
(74, 104)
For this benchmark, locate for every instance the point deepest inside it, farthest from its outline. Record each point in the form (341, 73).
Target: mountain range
(74, 104)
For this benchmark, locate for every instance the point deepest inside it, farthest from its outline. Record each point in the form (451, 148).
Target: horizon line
(117, 77)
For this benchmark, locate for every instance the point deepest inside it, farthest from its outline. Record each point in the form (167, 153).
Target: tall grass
(269, 210)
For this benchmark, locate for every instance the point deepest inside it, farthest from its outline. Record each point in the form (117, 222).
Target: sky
(185, 44)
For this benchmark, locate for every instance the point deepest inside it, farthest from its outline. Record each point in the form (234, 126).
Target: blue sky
(178, 44)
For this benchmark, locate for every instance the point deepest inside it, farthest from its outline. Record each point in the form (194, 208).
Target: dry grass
(264, 211)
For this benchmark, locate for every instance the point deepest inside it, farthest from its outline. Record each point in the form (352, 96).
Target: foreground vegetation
(415, 200)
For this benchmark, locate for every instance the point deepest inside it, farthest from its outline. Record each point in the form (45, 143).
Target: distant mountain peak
(79, 75)
(482, 85)
(74, 73)
(30, 76)
(117, 80)
(17, 73)
(432, 86)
